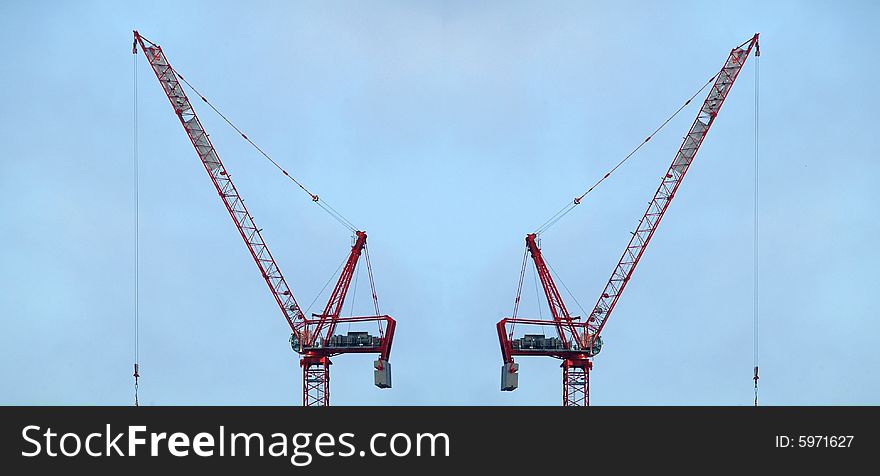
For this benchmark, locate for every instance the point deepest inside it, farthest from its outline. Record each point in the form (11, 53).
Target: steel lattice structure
(579, 341)
(313, 338)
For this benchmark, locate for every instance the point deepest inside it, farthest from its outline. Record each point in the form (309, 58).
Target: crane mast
(305, 338)
(578, 342)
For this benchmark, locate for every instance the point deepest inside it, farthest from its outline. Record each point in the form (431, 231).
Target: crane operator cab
(596, 346)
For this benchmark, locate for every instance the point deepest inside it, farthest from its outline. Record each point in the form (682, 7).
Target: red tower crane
(578, 341)
(312, 337)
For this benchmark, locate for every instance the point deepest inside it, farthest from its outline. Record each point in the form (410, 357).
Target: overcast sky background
(447, 130)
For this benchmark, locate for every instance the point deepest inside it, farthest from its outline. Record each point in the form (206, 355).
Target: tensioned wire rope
(320, 202)
(577, 200)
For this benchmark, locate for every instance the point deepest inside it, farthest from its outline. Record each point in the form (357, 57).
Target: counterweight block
(382, 373)
(509, 377)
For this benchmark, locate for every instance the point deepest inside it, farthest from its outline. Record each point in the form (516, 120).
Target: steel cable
(321, 203)
(577, 200)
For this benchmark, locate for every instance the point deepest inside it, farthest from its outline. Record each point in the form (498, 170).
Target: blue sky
(447, 130)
